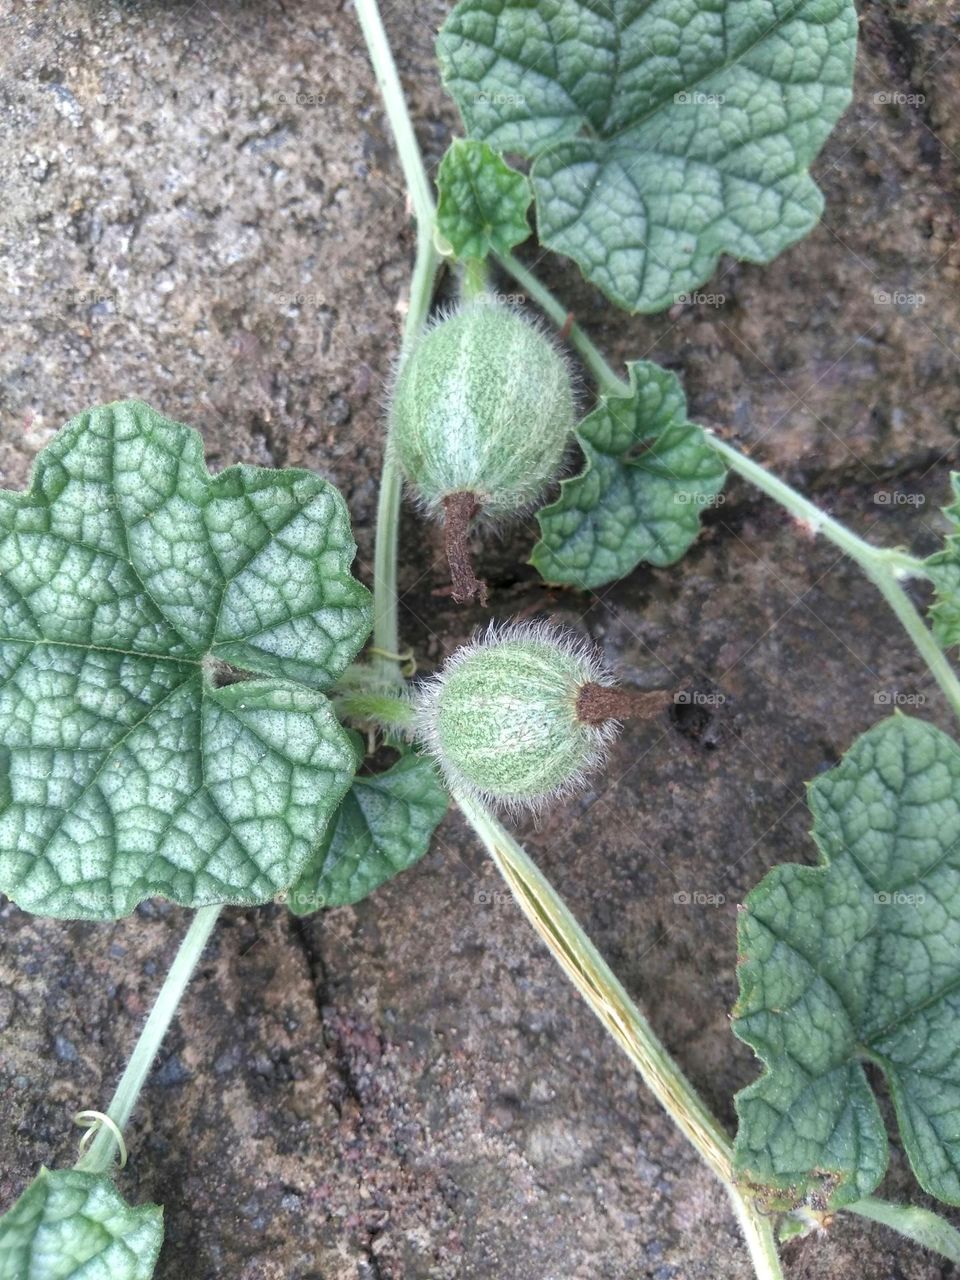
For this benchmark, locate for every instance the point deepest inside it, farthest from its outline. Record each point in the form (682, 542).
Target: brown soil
(203, 208)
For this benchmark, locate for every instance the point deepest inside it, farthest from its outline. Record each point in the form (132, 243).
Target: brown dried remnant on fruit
(598, 703)
(459, 510)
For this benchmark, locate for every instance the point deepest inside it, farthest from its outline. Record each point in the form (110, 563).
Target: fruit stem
(598, 703)
(99, 1155)
(459, 510)
(475, 281)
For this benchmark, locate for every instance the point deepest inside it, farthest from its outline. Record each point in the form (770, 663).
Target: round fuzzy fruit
(503, 718)
(482, 406)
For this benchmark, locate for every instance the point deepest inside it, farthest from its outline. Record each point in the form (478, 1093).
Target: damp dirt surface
(202, 207)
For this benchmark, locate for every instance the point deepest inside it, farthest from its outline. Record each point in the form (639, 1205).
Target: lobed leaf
(165, 640)
(648, 475)
(483, 203)
(383, 826)
(664, 134)
(858, 961)
(943, 569)
(76, 1226)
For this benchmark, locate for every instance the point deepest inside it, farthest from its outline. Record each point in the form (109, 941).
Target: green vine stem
(758, 1233)
(922, 1225)
(386, 635)
(591, 975)
(594, 979)
(885, 567)
(99, 1155)
(391, 713)
(426, 265)
(591, 355)
(608, 999)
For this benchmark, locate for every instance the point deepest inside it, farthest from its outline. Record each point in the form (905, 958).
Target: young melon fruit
(482, 413)
(523, 714)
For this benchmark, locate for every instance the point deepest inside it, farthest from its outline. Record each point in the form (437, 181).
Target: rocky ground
(202, 207)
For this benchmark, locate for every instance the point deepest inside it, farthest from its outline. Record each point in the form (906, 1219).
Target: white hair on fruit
(482, 416)
(500, 717)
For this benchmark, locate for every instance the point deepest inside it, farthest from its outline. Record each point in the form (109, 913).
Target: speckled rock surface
(202, 207)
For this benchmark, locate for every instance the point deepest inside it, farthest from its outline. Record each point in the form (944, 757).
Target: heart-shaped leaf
(649, 474)
(664, 133)
(858, 961)
(165, 638)
(383, 826)
(76, 1226)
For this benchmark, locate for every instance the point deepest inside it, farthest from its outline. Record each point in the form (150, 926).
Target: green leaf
(943, 569)
(76, 1226)
(858, 961)
(648, 475)
(134, 587)
(384, 826)
(483, 202)
(664, 133)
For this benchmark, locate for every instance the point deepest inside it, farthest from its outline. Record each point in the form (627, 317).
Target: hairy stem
(922, 1225)
(608, 999)
(384, 709)
(426, 265)
(99, 1156)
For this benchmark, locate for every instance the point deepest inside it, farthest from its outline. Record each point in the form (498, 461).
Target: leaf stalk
(886, 567)
(422, 286)
(924, 1226)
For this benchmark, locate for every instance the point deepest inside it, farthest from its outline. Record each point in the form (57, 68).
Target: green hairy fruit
(482, 413)
(523, 714)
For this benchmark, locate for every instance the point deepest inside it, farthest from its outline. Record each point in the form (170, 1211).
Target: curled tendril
(92, 1121)
(407, 659)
